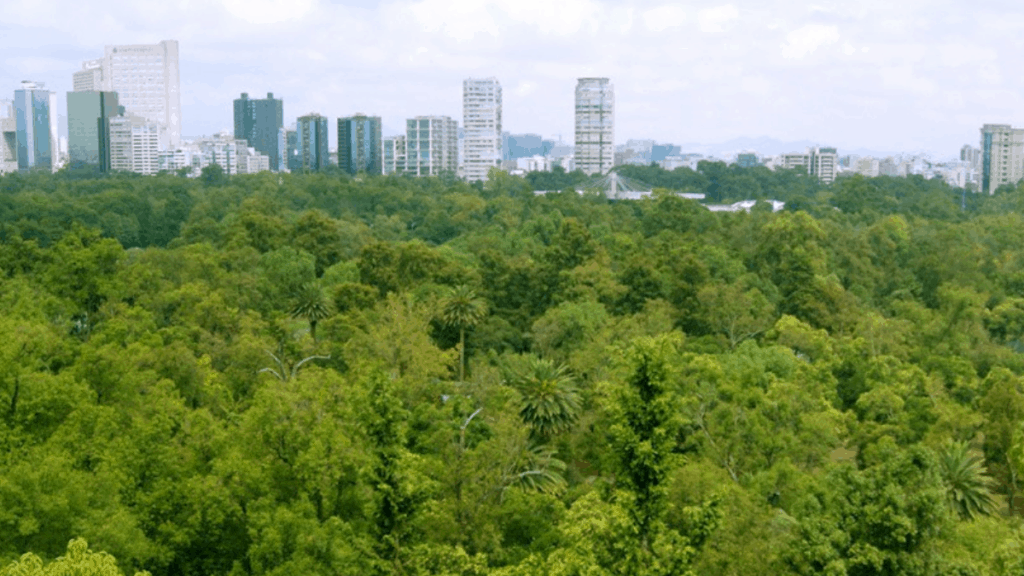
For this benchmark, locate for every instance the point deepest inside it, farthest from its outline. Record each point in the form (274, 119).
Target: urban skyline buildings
(431, 144)
(481, 120)
(595, 125)
(360, 145)
(35, 113)
(260, 122)
(89, 114)
(147, 81)
(311, 142)
(1002, 156)
(8, 137)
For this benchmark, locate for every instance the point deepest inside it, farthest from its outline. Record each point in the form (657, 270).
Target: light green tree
(968, 487)
(462, 309)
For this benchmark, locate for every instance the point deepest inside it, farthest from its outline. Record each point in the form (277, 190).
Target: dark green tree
(312, 305)
(550, 403)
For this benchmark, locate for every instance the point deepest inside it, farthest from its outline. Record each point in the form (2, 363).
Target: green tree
(79, 561)
(312, 305)
(462, 309)
(550, 401)
(968, 487)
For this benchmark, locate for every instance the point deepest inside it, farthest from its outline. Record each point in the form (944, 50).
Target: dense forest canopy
(317, 374)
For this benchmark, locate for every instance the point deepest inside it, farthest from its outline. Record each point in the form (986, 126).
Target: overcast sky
(888, 75)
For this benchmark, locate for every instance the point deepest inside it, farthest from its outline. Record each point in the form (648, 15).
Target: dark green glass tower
(259, 122)
(89, 114)
(359, 144)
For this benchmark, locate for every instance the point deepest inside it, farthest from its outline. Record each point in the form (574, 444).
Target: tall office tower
(135, 144)
(431, 146)
(481, 119)
(311, 142)
(259, 122)
(359, 144)
(8, 137)
(595, 125)
(89, 115)
(89, 78)
(1002, 156)
(393, 158)
(35, 113)
(146, 79)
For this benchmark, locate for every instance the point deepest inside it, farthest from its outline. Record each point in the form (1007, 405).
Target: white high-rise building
(432, 146)
(89, 78)
(481, 120)
(595, 125)
(8, 137)
(135, 144)
(147, 82)
(1002, 156)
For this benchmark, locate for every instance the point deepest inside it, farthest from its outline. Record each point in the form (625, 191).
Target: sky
(900, 75)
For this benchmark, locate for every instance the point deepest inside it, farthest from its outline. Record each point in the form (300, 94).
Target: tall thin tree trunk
(462, 354)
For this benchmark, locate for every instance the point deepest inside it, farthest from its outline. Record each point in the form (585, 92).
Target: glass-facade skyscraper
(359, 144)
(35, 112)
(432, 146)
(89, 115)
(259, 122)
(311, 142)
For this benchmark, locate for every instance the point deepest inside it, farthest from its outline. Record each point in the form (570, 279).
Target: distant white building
(595, 125)
(819, 161)
(535, 164)
(146, 79)
(393, 155)
(135, 144)
(1002, 156)
(481, 122)
(8, 137)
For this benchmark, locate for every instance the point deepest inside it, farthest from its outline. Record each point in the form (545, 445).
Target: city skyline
(912, 76)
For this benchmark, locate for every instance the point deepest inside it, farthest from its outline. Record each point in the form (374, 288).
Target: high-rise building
(746, 160)
(1002, 156)
(359, 144)
(481, 120)
(293, 162)
(35, 113)
(89, 78)
(431, 146)
(823, 163)
(595, 125)
(259, 122)
(146, 79)
(135, 144)
(818, 161)
(89, 115)
(8, 138)
(393, 161)
(311, 142)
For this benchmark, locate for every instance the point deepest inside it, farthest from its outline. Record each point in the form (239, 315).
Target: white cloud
(806, 40)
(712, 19)
(664, 17)
(260, 12)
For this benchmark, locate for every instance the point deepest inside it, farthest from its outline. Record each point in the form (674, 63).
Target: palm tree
(550, 400)
(312, 305)
(968, 486)
(462, 309)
